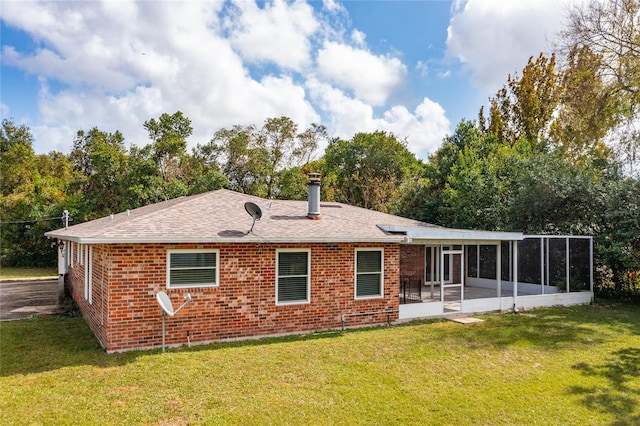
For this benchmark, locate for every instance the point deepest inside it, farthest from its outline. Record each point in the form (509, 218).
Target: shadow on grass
(551, 328)
(49, 342)
(620, 392)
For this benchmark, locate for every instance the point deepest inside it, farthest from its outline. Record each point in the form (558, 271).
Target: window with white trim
(369, 273)
(193, 268)
(293, 276)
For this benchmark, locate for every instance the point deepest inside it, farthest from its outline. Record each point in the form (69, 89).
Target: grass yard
(12, 273)
(559, 366)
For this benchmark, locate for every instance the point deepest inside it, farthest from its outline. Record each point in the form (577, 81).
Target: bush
(626, 289)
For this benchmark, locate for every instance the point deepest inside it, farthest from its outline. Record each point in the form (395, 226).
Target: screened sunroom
(447, 271)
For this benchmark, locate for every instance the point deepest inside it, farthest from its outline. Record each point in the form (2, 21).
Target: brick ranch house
(305, 266)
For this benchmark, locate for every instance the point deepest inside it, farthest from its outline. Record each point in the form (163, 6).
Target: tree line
(555, 152)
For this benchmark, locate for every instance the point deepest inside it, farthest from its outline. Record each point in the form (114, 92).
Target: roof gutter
(449, 235)
(249, 239)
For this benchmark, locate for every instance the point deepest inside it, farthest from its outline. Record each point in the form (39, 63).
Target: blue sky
(413, 68)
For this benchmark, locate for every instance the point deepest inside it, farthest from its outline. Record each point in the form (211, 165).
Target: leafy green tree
(286, 149)
(292, 184)
(144, 184)
(157, 170)
(369, 170)
(422, 197)
(34, 191)
(470, 197)
(587, 110)
(611, 30)
(308, 143)
(101, 160)
(265, 161)
(240, 158)
(169, 136)
(617, 237)
(553, 195)
(523, 108)
(12, 134)
(202, 172)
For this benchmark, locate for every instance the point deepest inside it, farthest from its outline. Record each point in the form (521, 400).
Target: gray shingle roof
(219, 216)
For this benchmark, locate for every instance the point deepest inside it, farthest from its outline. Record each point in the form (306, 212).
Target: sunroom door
(452, 282)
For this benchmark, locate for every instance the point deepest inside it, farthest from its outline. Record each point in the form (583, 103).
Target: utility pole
(65, 218)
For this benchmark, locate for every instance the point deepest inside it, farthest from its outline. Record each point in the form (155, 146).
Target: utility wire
(32, 220)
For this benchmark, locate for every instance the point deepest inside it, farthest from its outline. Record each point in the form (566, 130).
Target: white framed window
(193, 268)
(293, 276)
(369, 273)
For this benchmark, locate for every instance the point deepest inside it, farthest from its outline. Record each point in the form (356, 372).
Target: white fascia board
(447, 234)
(434, 242)
(254, 239)
(558, 236)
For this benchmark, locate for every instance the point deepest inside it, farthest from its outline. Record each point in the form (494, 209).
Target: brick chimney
(314, 196)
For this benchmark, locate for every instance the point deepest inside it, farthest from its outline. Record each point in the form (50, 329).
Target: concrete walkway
(23, 299)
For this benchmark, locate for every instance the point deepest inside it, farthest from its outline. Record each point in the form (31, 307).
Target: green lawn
(560, 366)
(11, 273)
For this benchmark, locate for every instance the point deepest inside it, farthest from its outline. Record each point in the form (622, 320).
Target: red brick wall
(94, 308)
(125, 314)
(412, 262)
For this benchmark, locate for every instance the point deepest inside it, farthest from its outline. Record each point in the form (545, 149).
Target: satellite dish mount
(167, 308)
(254, 211)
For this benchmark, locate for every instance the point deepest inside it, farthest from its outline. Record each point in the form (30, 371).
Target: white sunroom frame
(449, 237)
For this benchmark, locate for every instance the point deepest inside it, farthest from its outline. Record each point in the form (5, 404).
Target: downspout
(591, 267)
(104, 278)
(441, 275)
(498, 270)
(515, 277)
(567, 265)
(542, 264)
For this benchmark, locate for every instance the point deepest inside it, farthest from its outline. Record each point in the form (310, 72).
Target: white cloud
(278, 32)
(114, 65)
(370, 77)
(358, 38)
(52, 138)
(494, 38)
(333, 6)
(347, 115)
(124, 63)
(64, 113)
(422, 68)
(423, 128)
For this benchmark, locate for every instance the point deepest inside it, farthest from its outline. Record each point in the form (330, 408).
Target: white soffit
(424, 233)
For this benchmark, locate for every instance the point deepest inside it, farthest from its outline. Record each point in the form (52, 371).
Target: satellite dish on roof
(254, 211)
(167, 308)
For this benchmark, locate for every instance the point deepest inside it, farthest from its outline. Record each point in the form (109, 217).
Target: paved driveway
(22, 299)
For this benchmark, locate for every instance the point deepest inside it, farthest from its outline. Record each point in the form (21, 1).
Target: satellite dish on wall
(167, 308)
(254, 211)
(165, 303)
